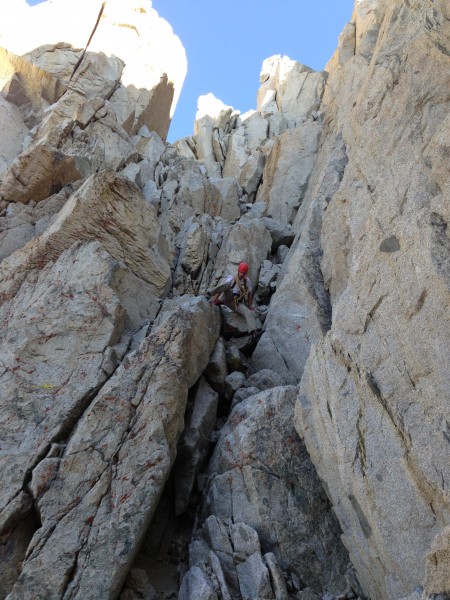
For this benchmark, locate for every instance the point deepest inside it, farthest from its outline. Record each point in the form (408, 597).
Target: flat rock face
(374, 399)
(300, 312)
(287, 170)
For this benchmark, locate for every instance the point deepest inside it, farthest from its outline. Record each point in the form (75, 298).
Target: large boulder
(248, 240)
(71, 298)
(107, 208)
(95, 503)
(59, 342)
(37, 174)
(263, 496)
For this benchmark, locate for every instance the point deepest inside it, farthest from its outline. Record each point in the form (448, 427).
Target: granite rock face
(107, 481)
(374, 398)
(263, 496)
(80, 107)
(115, 384)
(129, 30)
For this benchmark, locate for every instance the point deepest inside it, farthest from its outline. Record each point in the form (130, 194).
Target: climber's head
(242, 269)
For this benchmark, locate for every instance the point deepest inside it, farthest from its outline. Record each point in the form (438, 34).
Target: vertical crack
(80, 60)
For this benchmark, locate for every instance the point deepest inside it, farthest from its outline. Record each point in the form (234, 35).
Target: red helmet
(243, 267)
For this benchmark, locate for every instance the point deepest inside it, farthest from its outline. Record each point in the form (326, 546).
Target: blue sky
(227, 41)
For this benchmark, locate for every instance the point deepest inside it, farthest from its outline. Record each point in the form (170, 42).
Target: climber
(236, 293)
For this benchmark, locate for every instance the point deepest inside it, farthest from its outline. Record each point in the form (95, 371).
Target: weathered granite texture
(263, 496)
(374, 400)
(96, 496)
(130, 30)
(335, 191)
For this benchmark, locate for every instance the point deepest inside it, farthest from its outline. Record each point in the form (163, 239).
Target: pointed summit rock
(130, 30)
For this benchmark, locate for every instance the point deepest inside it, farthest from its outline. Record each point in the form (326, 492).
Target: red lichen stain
(48, 336)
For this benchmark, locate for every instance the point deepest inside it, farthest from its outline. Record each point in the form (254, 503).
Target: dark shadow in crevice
(14, 543)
